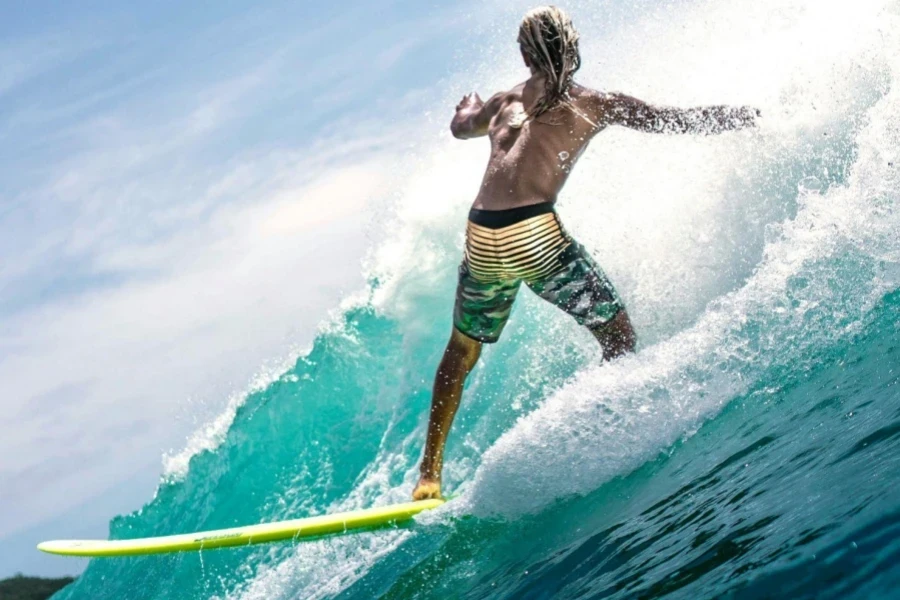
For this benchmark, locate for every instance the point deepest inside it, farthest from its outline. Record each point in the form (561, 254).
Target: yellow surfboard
(296, 529)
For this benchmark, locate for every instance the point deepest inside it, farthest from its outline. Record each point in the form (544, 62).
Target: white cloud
(21, 60)
(116, 365)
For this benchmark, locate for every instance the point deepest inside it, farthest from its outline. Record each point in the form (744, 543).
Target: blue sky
(163, 168)
(107, 96)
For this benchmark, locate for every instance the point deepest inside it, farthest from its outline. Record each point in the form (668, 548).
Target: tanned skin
(525, 168)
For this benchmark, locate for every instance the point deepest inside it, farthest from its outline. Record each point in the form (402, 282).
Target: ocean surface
(749, 449)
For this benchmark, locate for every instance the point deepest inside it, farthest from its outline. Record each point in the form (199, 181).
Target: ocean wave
(738, 256)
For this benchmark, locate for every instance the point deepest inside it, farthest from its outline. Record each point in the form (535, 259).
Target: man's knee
(463, 349)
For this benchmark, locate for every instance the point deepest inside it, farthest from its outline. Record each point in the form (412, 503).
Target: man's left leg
(479, 316)
(458, 361)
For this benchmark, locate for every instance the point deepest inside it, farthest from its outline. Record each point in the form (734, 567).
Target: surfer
(537, 131)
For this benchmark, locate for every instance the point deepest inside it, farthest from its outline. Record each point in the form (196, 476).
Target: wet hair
(550, 41)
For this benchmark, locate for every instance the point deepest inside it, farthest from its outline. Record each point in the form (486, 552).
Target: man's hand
(471, 100)
(473, 115)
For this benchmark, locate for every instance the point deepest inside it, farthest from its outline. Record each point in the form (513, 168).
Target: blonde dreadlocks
(550, 41)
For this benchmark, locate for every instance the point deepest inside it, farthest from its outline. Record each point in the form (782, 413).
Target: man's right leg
(459, 359)
(582, 289)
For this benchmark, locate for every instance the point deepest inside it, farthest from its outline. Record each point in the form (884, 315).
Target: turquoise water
(751, 448)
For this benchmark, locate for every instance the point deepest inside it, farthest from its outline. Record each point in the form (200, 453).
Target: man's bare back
(531, 163)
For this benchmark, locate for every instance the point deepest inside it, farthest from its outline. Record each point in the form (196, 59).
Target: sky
(186, 190)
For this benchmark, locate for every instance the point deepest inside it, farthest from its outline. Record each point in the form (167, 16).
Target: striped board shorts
(505, 248)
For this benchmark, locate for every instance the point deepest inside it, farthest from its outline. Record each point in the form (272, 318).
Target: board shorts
(528, 245)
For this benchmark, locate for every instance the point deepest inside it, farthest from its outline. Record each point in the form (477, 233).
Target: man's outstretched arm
(621, 109)
(473, 116)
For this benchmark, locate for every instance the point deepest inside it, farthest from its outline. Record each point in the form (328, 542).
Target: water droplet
(810, 185)
(563, 156)
(517, 118)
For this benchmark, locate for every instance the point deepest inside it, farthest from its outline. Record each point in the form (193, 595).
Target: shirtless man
(537, 131)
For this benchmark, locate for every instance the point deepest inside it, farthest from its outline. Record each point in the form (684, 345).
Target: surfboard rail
(295, 529)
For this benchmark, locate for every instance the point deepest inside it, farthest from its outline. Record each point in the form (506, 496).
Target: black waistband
(496, 219)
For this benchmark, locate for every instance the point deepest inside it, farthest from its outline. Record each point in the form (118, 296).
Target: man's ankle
(429, 475)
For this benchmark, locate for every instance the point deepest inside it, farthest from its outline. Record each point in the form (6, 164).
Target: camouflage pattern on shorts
(579, 287)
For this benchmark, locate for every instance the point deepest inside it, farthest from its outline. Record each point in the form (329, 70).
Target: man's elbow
(459, 131)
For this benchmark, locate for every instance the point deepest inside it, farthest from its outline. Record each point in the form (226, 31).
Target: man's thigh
(581, 289)
(482, 307)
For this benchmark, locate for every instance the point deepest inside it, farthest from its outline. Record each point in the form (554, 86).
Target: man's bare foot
(427, 488)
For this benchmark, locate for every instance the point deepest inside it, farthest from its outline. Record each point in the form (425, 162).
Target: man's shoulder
(503, 99)
(581, 92)
(597, 101)
(511, 95)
